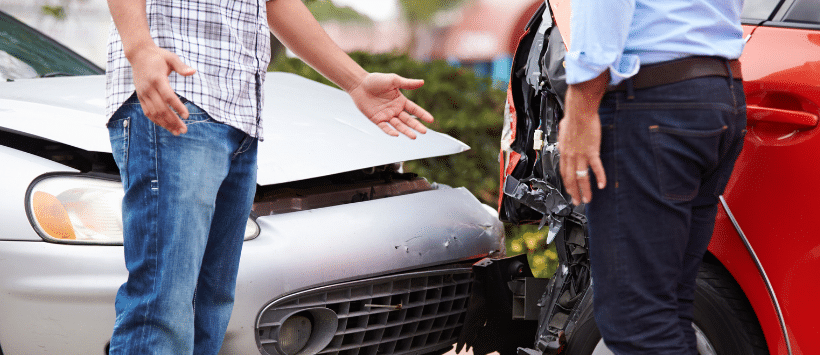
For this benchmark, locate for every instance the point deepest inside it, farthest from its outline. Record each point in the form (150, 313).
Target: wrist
(135, 49)
(355, 80)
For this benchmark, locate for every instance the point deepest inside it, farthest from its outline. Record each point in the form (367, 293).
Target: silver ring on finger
(582, 173)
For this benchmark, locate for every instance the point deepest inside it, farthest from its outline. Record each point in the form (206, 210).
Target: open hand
(379, 98)
(151, 66)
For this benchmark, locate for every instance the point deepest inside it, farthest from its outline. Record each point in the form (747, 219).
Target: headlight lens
(83, 210)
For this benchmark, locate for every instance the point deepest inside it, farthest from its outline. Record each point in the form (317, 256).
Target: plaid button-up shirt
(226, 41)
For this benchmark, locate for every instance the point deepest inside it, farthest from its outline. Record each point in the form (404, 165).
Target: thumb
(410, 84)
(178, 66)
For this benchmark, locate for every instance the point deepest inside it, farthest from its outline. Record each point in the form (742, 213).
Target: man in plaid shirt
(184, 87)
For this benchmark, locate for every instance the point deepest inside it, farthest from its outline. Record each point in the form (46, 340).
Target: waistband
(682, 69)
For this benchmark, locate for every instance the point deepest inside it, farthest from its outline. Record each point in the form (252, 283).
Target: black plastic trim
(341, 284)
(795, 25)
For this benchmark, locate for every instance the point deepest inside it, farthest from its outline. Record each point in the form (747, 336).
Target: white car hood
(310, 129)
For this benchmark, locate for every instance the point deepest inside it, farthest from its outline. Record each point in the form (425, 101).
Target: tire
(586, 335)
(724, 320)
(725, 315)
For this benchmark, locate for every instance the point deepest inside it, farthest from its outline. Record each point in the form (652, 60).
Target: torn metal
(532, 192)
(531, 186)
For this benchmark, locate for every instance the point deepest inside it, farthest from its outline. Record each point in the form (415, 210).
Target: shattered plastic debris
(555, 226)
(543, 197)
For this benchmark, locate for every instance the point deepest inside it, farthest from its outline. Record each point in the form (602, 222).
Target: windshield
(27, 53)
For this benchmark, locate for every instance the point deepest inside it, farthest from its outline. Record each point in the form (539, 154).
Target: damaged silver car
(345, 252)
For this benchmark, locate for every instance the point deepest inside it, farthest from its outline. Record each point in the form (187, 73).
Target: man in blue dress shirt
(656, 115)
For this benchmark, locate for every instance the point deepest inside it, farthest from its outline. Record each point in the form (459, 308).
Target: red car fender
(727, 246)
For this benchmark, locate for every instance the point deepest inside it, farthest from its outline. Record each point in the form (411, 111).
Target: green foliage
(325, 10)
(465, 106)
(542, 258)
(422, 11)
(57, 12)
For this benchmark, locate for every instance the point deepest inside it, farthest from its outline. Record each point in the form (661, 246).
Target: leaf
(55, 11)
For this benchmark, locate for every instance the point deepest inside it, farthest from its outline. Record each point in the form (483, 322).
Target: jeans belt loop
(730, 77)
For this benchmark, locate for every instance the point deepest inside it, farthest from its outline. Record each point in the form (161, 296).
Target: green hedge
(468, 108)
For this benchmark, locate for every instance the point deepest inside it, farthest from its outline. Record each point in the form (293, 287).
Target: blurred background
(462, 48)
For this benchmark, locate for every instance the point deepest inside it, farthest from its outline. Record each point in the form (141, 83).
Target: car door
(774, 189)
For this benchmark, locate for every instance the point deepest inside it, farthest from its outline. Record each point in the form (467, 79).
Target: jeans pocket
(682, 157)
(195, 114)
(118, 134)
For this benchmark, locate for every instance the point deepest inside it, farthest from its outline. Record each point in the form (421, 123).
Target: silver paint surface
(59, 299)
(311, 129)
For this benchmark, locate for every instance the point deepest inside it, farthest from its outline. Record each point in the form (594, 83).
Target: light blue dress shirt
(620, 35)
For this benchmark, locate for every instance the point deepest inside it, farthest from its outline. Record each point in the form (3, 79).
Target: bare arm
(376, 95)
(579, 138)
(151, 65)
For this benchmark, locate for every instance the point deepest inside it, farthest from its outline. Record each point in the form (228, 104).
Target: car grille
(409, 313)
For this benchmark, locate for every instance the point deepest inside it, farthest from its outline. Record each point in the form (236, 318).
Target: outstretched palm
(379, 98)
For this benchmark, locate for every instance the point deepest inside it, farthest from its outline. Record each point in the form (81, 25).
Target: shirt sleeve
(599, 31)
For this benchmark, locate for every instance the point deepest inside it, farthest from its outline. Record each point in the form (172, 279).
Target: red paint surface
(775, 188)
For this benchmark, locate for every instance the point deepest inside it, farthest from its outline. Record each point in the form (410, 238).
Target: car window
(759, 10)
(13, 68)
(24, 49)
(804, 11)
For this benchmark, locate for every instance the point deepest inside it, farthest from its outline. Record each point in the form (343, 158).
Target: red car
(769, 204)
(757, 291)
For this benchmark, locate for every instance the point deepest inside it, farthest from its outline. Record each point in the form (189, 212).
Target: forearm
(292, 23)
(583, 99)
(132, 24)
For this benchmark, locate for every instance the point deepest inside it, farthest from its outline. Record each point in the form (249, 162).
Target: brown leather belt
(677, 70)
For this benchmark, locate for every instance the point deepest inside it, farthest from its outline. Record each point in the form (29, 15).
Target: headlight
(83, 210)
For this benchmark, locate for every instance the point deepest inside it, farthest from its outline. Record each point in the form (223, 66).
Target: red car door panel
(776, 185)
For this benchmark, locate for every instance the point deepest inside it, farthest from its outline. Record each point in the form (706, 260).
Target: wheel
(725, 315)
(725, 323)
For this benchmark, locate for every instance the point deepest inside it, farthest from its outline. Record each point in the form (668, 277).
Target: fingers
(177, 108)
(401, 123)
(598, 169)
(416, 110)
(412, 122)
(581, 173)
(575, 173)
(400, 126)
(158, 108)
(388, 129)
(570, 181)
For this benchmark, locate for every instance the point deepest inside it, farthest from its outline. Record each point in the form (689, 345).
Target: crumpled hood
(310, 129)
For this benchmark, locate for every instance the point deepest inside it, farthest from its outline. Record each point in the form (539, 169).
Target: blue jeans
(187, 200)
(668, 153)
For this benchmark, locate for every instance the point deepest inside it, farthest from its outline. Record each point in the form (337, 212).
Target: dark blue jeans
(187, 201)
(668, 153)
